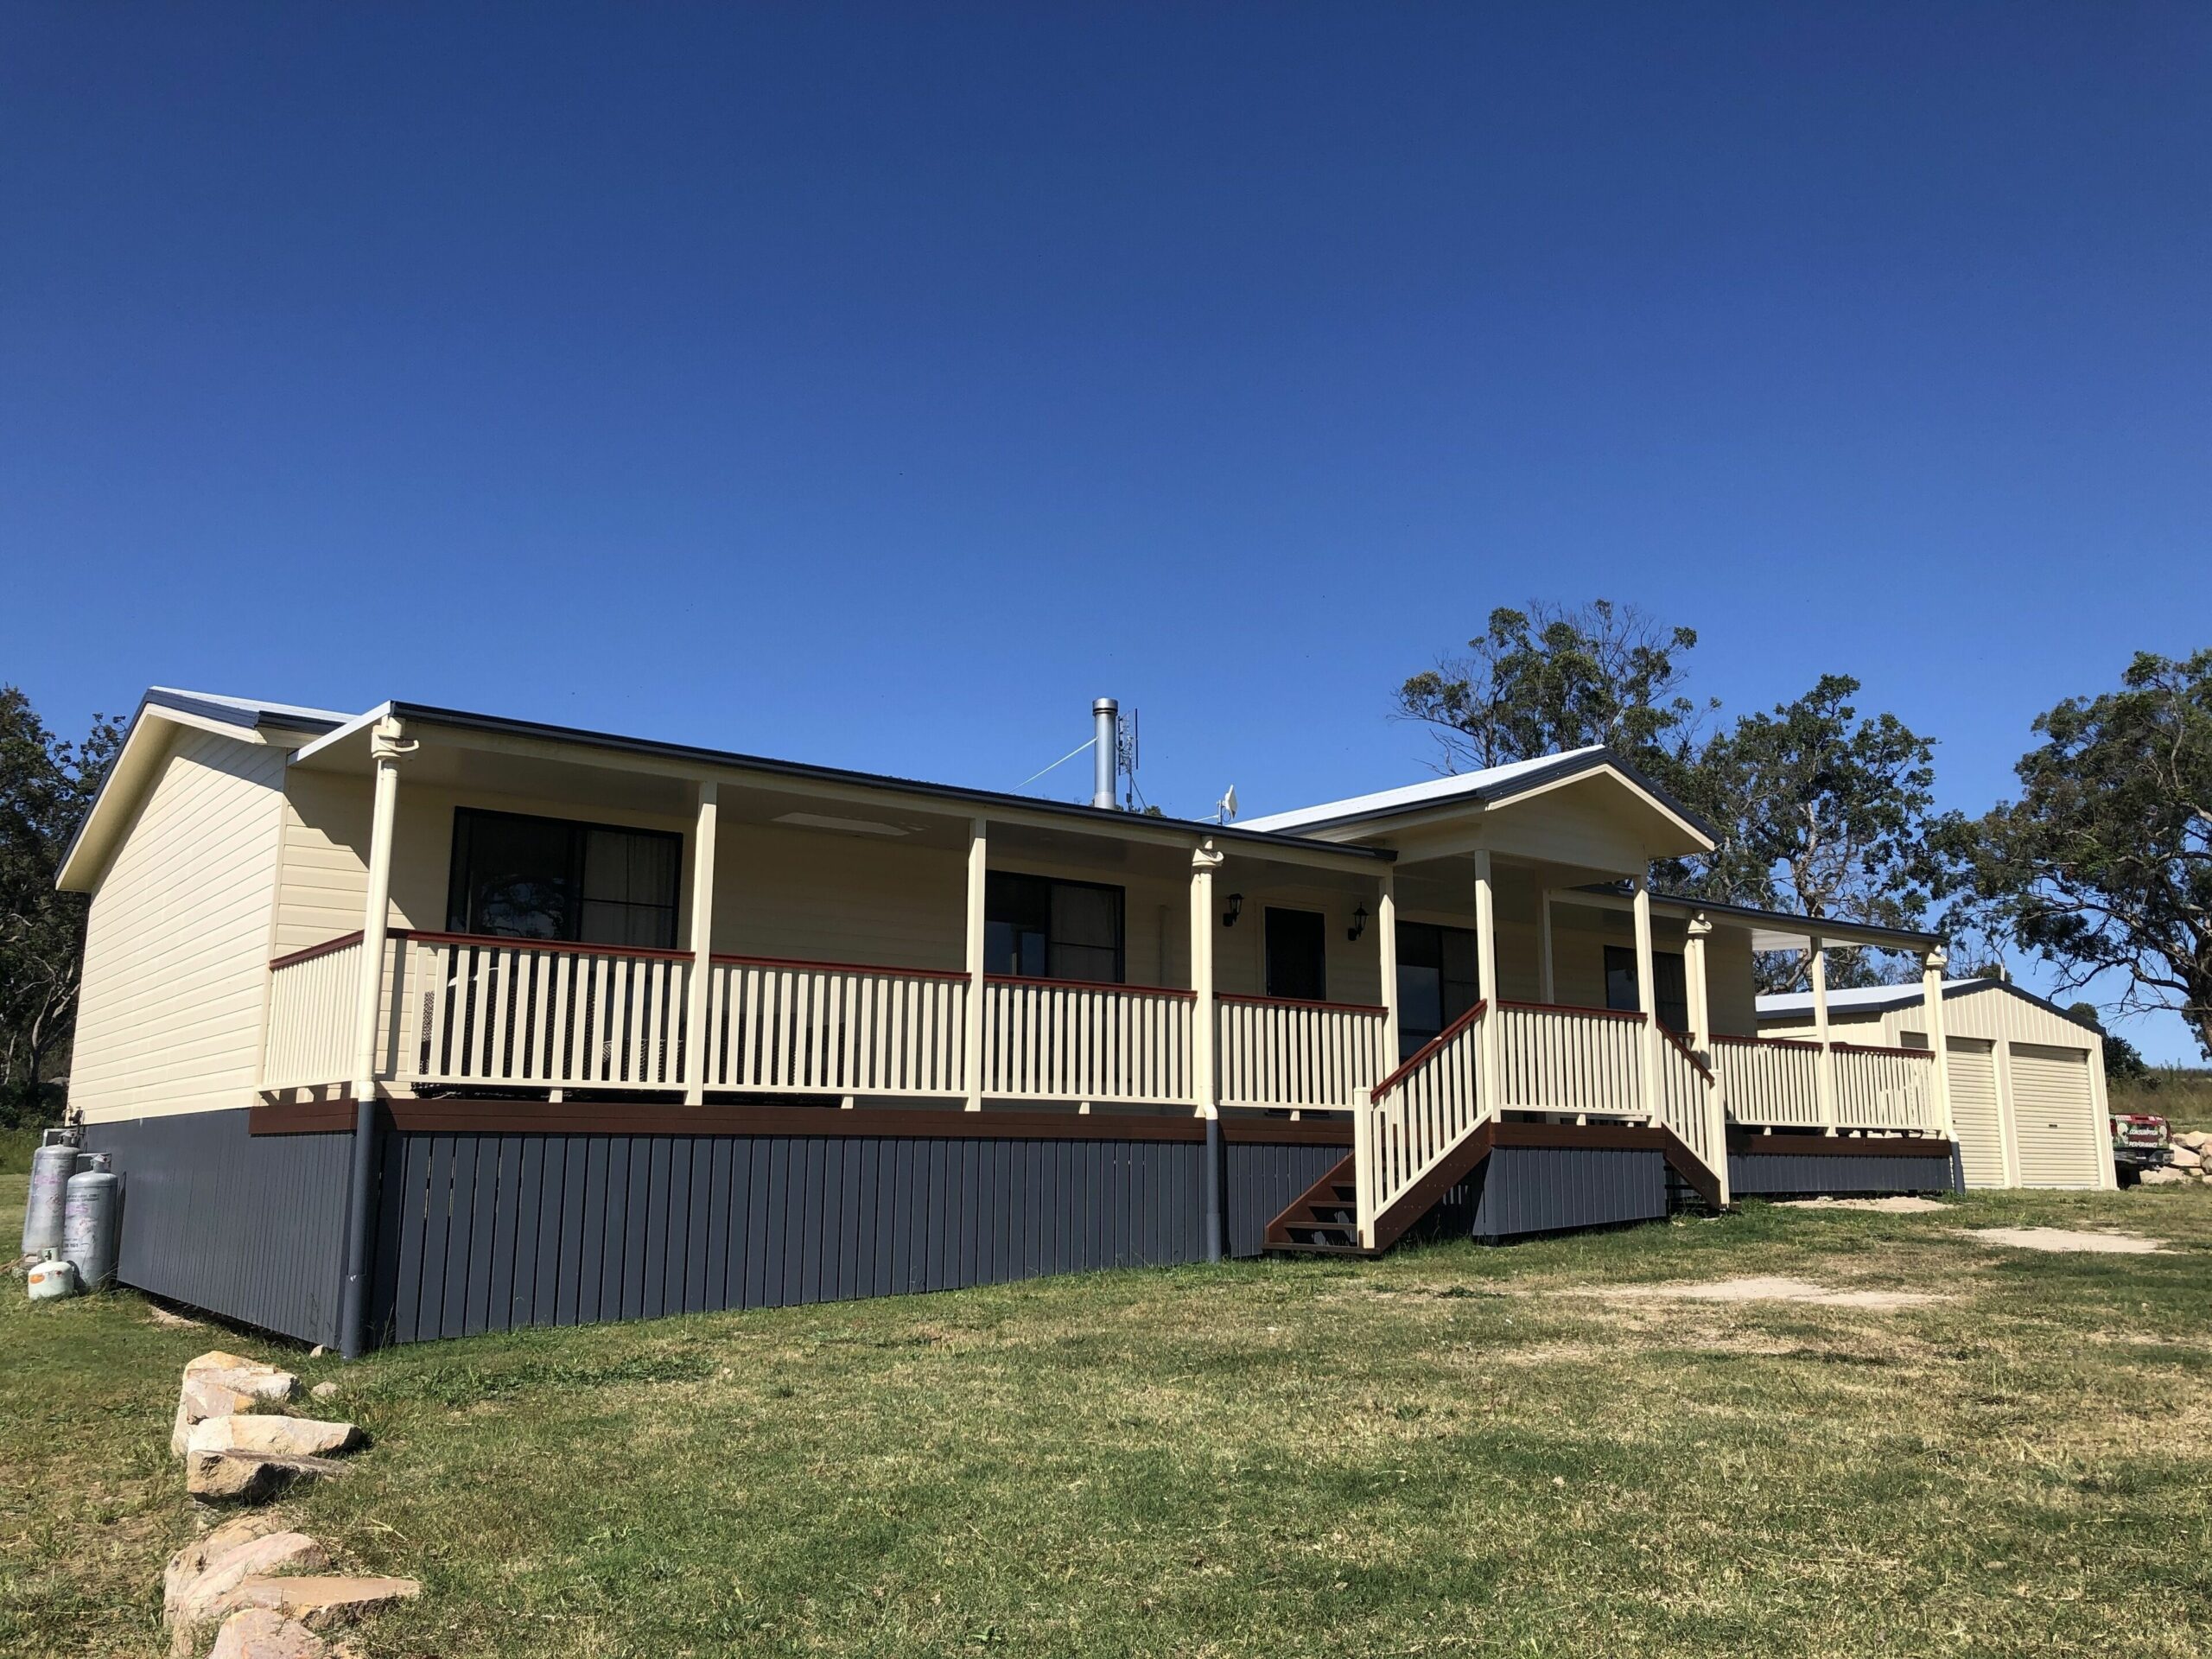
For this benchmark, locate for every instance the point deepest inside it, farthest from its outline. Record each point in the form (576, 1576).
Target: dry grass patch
(2068, 1240)
(1767, 1289)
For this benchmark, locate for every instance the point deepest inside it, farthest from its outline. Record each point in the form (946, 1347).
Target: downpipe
(361, 1212)
(1213, 1187)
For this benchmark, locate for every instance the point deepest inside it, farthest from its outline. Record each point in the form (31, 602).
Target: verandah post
(1205, 1093)
(1931, 990)
(386, 746)
(972, 1024)
(703, 948)
(1486, 1033)
(1820, 977)
(1386, 929)
(1647, 1003)
(1700, 998)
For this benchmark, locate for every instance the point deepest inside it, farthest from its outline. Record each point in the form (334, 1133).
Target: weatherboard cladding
(248, 1227)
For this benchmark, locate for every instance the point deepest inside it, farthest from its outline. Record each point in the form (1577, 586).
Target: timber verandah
(535, 1160)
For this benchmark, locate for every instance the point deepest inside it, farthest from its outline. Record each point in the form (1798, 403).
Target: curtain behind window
(520, 877)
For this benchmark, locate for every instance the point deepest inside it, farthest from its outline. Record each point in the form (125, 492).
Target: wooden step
(1322, 1220)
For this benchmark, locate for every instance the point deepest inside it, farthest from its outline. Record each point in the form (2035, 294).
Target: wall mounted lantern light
(1358, 923)
(1236, 909)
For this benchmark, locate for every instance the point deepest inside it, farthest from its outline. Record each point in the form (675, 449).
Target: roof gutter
(1098, 817)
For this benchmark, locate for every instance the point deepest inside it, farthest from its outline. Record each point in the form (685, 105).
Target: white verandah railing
(1689, 1106)
(1277, 1055)
(1587, 1062)
(1775, 1083)
(1066, 1040)
(463, 1012)
(1553, 1058)
(526, 1013)
(802, 1027)
(1885, 1088)
(1770, 1082)
(1417, 1115)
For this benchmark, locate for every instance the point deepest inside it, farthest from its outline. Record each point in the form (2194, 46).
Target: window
(1043, 929)
(528, 878)
(1297, 955)
(1672, 994)
(1438, 980)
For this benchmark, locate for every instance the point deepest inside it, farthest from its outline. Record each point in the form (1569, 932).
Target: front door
(1297, 953)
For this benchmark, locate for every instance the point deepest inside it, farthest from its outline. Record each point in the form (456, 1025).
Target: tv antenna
(1125, 756)
(1225, 808)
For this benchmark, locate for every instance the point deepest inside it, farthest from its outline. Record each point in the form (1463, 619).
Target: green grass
(17, 1145)
(1450, 1451)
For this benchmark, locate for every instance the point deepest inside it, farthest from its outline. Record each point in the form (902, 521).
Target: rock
(2195, 1139)
(2186, 1159)
(281, 1437)
(246, 1478)
(2163, 1177)
(205, 1394)
(168, 1320)
(258, 1633)
(245, 1375)
(323, 1391)
(319, 1600)
(271, 1387)
(195, 1557)
(216, 1359)
(207, 1595)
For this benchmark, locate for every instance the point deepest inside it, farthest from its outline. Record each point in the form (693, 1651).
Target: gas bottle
(88, 1222)
(51, 1281)
(51, 1167)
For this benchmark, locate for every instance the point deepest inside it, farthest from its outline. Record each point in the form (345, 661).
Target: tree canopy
(2104, 863)
(1819, 808)
(1551, 678)
(46, 787)
(1819, 811)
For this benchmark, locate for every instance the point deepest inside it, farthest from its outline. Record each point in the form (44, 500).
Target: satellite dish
(1225, 808)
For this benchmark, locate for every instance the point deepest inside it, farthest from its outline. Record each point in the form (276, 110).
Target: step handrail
(1427, 1050)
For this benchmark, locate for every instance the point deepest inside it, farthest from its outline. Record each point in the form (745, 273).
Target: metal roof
(246, 712)
(1794, 929)
(1487, 786)
(1884, 999)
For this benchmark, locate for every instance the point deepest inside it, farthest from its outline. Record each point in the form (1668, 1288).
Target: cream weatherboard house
(417, 1022)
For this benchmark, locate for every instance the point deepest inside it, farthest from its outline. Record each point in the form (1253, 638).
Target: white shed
(2027, 1078)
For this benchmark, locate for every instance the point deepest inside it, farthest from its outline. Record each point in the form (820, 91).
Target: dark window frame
(1320, 921)
(1620, 958)
(999, 885)
(459, 892)
(1411, 1037)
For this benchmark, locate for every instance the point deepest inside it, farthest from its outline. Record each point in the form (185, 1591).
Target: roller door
(1973, 1111)
(2054, 1117)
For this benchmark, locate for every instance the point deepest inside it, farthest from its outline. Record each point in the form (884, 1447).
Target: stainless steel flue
(1103, 752)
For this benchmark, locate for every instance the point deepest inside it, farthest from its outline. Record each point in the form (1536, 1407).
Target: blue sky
(877, 386)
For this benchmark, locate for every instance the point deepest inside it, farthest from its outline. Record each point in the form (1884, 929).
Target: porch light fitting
(1358, 923)
(1236, 909)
